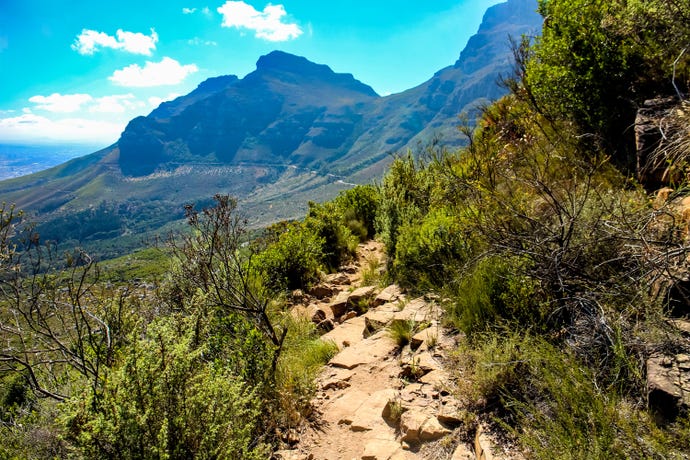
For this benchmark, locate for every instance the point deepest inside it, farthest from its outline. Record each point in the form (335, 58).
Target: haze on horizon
(78, 76)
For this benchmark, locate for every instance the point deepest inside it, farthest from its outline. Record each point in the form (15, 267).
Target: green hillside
(563, 279)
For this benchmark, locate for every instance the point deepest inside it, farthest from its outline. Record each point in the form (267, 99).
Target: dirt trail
(380, 399)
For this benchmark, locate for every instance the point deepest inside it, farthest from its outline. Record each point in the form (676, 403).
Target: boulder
(339, 305)
(668, 385)
(428, 336)
(322, 291)
(360, 294)
(338, 279)
(390, 294)
(432, 430)
(417, 426)
(410, 425)
(325, 326)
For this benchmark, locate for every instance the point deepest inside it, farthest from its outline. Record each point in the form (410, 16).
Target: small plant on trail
(401, 331)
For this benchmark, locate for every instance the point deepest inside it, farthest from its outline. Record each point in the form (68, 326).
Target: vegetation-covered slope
(289, 132)
(565, 279)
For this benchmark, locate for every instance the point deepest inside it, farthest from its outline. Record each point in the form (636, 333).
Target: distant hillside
(289, 132)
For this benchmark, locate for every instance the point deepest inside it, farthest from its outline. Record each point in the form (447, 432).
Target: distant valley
(20, 160)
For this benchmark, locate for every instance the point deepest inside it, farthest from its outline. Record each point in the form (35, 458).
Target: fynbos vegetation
(555, 266)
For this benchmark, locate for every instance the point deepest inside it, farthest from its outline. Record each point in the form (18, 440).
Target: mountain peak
(280, 60)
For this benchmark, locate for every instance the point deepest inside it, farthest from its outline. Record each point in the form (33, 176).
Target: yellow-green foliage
(165, 399)
(554, 407)
(303, 355)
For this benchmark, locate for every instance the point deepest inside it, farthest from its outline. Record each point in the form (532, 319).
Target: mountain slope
(289, 132)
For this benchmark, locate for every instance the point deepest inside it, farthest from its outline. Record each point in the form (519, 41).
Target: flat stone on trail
(361, 293)
(380, 449)
(370, 412)
(437, 378)
(390, 294)
(347, 334)
(417, 310)
(364, 352)
(343, 409)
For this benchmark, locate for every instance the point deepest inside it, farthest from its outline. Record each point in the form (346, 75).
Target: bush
(166, 400)
(553, 406)
(359, 207)
(496, 292)
(294, 261)
(339, 244)
(428, 252)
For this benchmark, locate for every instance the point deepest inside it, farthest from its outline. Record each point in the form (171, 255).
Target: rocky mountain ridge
(290, 132)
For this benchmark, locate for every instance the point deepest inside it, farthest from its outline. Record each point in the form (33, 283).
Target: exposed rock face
(668, 385)
(291, 110)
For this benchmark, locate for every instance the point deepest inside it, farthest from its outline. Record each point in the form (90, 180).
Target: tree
(214, 258)
(55, 322)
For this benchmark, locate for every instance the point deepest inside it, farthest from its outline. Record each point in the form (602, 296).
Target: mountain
(289, 132)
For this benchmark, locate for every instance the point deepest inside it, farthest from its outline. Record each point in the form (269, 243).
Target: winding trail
(380, 399)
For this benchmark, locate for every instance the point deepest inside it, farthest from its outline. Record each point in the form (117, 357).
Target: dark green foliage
(405, 197)
(293, 261)
(327, 223)
(497, 291)
(429, 252)
(15, 396)
(596, 61)
(359, 207)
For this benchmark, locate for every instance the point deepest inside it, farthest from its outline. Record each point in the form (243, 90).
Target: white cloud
(89, 41)
(267, 24)
(167, 72)
(205, 10)
(34, 128)
(188, 10)
(118, 103)
(155, 101)
(63, 103)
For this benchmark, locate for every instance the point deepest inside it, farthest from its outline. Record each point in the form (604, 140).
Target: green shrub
(339, 244)
(495, 292)
(359, 207)
(293, 261)
(554, 407)
(166, 400)
(428, 252)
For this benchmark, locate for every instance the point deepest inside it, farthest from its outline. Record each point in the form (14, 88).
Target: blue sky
(75, 71)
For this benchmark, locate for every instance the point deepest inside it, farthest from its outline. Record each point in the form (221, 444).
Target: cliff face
(293, 111)
(289, 132)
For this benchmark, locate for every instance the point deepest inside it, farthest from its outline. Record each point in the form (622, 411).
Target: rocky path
(385, 395)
